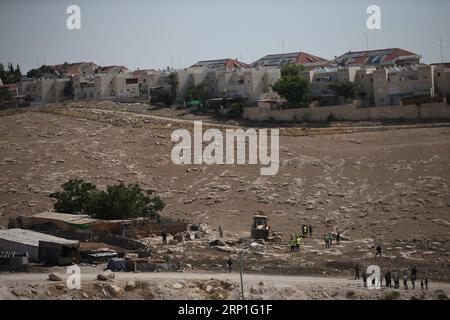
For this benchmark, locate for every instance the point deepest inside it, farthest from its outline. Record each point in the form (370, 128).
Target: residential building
(309, 61)
(377, 58)
(125, 87)
(220, 64)
(442, 79)
(114, 70)
(46, 90)
(247, 84)
(75, 69)
(321, 78)
(84, 88)
(392, 84)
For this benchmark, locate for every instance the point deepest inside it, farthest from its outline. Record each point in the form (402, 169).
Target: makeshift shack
(40, 247)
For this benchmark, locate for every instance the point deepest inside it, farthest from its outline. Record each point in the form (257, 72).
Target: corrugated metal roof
(65, 217)
(32, 238)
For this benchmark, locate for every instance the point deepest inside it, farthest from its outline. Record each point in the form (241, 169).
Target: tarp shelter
(39, 246)
(117, 264)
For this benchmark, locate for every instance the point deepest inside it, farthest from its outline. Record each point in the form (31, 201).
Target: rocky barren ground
(374, 186)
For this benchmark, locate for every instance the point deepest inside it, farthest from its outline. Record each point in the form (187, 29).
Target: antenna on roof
(282, 44)
(442, 55)
(367, 41)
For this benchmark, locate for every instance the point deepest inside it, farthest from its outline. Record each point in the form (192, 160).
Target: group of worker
(392, 279)
(328, 239)
(296, 239)
(295, 242)
(307, 230)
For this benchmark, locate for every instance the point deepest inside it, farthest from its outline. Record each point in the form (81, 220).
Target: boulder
(105, 276)
(114, 289)
(55, 277)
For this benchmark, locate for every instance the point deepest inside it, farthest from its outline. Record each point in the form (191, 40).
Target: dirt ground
(388, 187)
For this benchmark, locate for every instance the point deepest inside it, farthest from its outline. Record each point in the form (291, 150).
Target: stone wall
(348, 112)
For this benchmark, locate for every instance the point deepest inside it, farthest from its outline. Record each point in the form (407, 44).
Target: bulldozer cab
(260, 227)
(259, 222)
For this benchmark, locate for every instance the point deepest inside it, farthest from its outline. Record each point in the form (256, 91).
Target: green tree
(35, 73)
(5, 94)
(163, 96)
(173, 82)
(17, 74)
(344, 88)
(2, 73)
(117, 202)
(75, 197)
(292, 86)
(197, 92)
(124, 202)
(291, 69)
(236, 111)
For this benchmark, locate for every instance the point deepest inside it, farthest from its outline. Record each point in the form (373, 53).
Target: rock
(114, 289)
(85, 295)
(105, 276)
(130, 286)
(217, 242)
(60, 286)
(177, 285)
(55, 277)
(262, 283)
(48, 293)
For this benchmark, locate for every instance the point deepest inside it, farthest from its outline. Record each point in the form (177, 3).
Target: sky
(160, 33)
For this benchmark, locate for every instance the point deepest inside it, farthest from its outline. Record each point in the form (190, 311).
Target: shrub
(117, 202)
(235, 111)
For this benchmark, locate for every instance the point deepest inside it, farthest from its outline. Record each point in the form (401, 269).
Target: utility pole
(282, 44)
(367, 42)
(442, 54)
(240, 271)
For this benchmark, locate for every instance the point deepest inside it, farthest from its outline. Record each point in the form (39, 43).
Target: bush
(163, 96)
(117, 202)
(75, 197)
(291, 86)
(235, 111)
(331, 117)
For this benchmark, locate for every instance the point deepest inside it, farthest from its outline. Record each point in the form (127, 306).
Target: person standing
(364, 278)
(330, 239)
(396, 280)
(357, 271)
(220, 231)
(292, 243)
(310, 229)
(426, 284)
(338, 238)
(388, 279)
(421, 284)
(378, 251)
(327, 242)
(413, 281)
(298, 242)
(164, 236)
(229, 264)
(405, 281)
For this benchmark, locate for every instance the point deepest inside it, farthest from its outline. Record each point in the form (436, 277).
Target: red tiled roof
(227, 64)
(277, 60)
(373, 57)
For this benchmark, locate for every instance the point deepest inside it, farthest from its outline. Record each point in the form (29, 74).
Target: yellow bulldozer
(260, 227)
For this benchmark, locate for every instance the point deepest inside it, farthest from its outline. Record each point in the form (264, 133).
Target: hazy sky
(155, 34)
